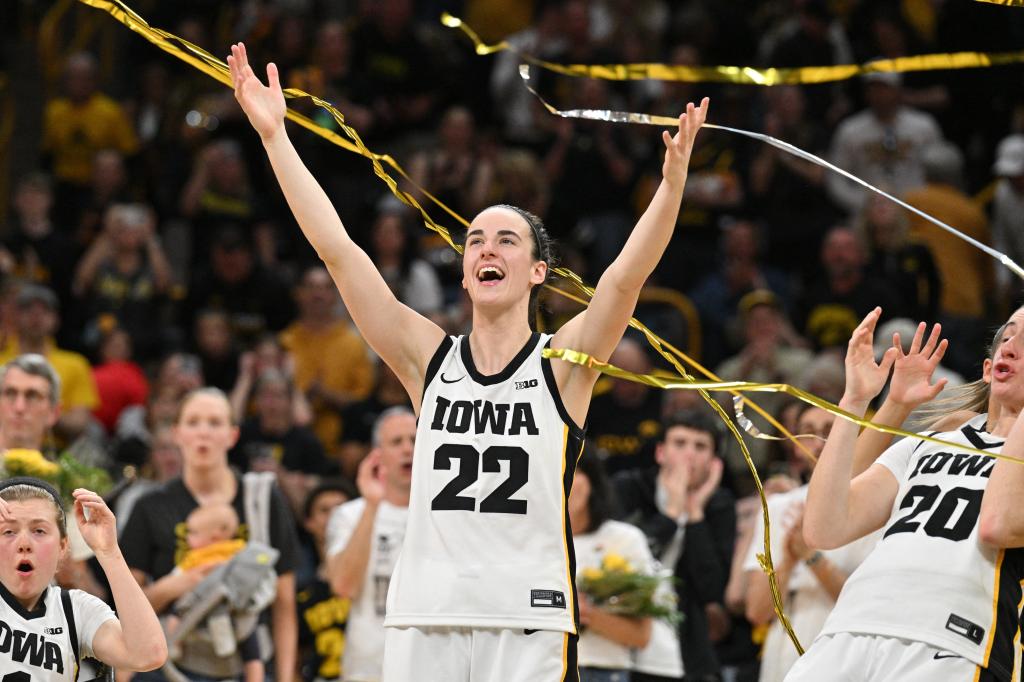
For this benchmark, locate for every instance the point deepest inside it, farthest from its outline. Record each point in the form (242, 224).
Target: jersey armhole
(69, 616)
(549, 379)
(434, 366)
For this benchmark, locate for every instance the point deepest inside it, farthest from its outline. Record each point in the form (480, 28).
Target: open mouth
(489, 273)
(1002, 370)
(25, 568)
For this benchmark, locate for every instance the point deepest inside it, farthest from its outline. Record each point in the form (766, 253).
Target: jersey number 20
(967, 500)
(498, 502)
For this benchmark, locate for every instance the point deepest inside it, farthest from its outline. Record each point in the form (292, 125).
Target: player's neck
(495, 341)
(1003, 422)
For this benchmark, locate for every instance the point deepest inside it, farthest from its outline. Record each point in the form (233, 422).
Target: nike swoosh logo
(452, 381)
(939, 654)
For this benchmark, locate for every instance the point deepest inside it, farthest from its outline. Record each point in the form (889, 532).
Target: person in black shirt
(690, 523)
(154, 538)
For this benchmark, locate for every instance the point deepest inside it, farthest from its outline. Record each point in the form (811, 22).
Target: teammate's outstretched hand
(864, 377)
(263, 104)
(95, 521)
(912, 374)
(679, 146)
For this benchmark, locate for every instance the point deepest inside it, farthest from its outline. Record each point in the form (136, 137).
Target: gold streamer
(578, 358)
(218, 70)
(749, 75)
(1005, 3)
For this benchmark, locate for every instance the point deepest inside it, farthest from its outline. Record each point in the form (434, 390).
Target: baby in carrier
(212, 630)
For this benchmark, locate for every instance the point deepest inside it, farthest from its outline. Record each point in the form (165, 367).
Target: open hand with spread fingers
(263, 104)
(679, 146)
(865, 377)
(912, 372)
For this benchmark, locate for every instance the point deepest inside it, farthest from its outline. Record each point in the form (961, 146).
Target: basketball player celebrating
(483, 589)
(53, 629)
(939, 596)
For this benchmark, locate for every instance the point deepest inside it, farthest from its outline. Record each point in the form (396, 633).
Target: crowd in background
(148, 252)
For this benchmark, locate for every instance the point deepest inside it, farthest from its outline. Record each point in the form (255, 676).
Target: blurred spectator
(1008, 212)
(37, 322)
(270, 440)
(122, 278)
(458, 170)
(254, 297)
(30, 391)
(364, 539)
(809, 36)
(882, 145)
(786, 192)
(606, 639)
(322, 614)
(267, 355)
(901, 262)
(514, 106)
(624, 421)
(388, 52)
(809, 581)
(33, 249)
(332, 364)
(358, 418)
(411, 279)
(217, 349)
(162, 463)
(832, 307)
(77, 124)
(717, 296)
(967, 274)
(519, 181)
(108, 185)
(690, 523)
(29, 402)
(120, 382)
(219, 194)
(906, 328)
(590, 168)
(152, 543)
(772, 354)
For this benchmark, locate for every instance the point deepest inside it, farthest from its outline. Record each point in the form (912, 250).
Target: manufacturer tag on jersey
(965, 628)
(551, 599)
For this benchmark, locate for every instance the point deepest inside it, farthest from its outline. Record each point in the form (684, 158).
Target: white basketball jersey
(36, 645)
(488, 541)
(929, 578)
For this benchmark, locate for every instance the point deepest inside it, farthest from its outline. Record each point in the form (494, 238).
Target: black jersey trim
(927, 434)
(69, 616)
(549, 379)
(1008, 595)
(503, 375)
(434, 366)
(38, 612)
(974, 435)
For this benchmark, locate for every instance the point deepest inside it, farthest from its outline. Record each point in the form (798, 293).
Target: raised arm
(598, 329)
(346, 567)
(840, 510)
(1001, 523)
(373, 307)
(136, 641)
(911, 387)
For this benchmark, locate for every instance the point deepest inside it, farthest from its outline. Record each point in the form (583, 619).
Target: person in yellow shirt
(332, 362)
(36, 322)
(80, 123)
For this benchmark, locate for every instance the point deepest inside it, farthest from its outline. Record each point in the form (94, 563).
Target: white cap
(1010, 156)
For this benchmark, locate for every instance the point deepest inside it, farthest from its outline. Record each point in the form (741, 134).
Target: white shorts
(453, 654)
(847, 657)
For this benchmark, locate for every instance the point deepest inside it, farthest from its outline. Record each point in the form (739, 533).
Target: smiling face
(30, 549)
(1004, 371)
(499, 266)
(204, 431)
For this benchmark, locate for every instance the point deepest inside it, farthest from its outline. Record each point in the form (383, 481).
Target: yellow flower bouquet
(619, 588)
(66, 474)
